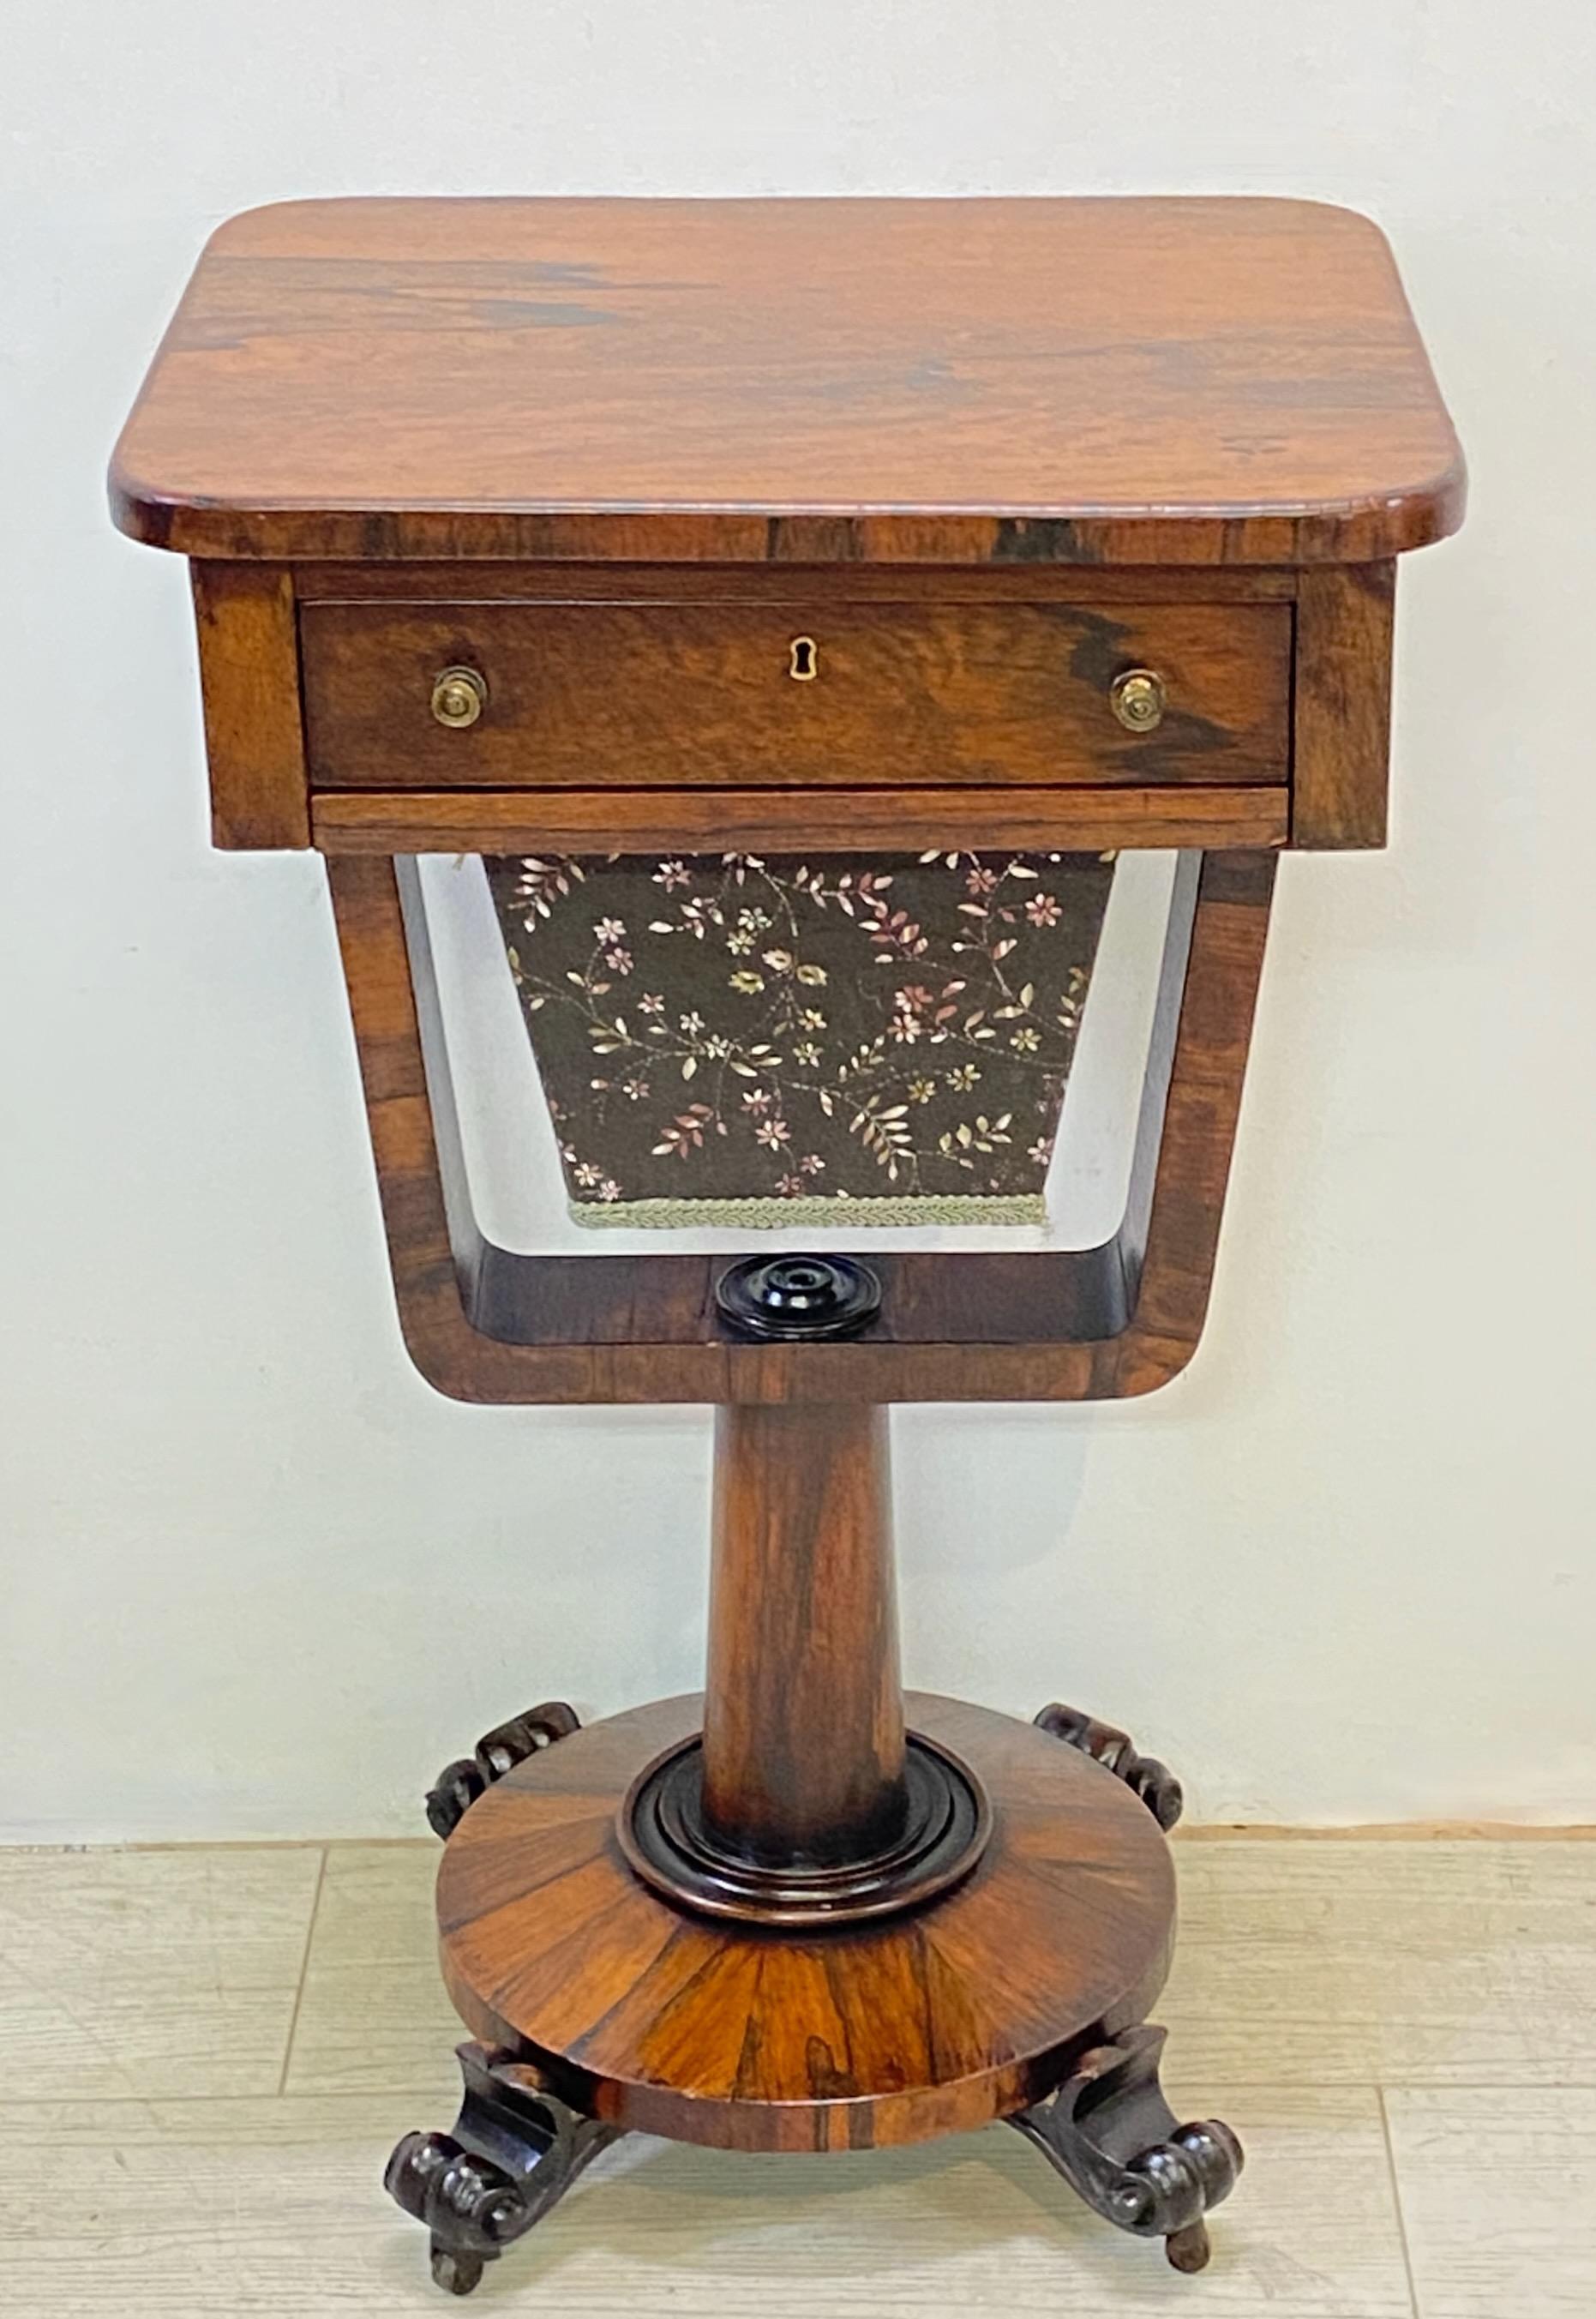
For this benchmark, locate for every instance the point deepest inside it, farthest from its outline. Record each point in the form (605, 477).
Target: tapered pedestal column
(804, 1744)
(804, 1801)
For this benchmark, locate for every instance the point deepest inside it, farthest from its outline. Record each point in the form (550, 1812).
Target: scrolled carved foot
(516, 2149)
(460, 1783)
(1110, 2133)
(1144, 1775)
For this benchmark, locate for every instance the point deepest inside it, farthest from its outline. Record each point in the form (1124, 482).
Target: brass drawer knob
(459, 696)
(1137, 698)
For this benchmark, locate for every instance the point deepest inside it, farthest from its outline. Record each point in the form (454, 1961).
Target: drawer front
(796, 694)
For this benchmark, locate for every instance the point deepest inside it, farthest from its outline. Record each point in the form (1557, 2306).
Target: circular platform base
(748, 2038)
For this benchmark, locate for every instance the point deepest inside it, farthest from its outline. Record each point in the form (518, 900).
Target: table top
(1070, 381)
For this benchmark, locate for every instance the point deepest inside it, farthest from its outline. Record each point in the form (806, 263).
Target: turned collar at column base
(669, 1842)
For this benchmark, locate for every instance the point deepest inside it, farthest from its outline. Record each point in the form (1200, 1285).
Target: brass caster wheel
(1189, 2249)
(455, 2273)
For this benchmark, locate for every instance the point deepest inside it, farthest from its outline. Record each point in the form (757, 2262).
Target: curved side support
(484, 1324)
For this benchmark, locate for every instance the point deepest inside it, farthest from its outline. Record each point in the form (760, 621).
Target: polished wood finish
(1054, 381)
(484, 1324)
(1341, 719)
(617, 456)
(803, 1722)
(967, 2010)
(1336, 751)
(1076, 820)
(640, 693)
(1109, 2131)
(831, 584)
(515, 2150)
(254, 735)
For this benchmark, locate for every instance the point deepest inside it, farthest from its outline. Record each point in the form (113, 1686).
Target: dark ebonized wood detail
(461, 1783)
(516, 2148)
(669, 1840)
(1144, 1775)
(798, 1299)
(1111, 2133)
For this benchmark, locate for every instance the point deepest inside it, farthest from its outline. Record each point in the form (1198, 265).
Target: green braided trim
(776, 1214)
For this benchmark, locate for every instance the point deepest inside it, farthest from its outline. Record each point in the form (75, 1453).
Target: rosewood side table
(584, 530)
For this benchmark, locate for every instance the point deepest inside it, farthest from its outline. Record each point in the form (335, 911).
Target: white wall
(256, 1578)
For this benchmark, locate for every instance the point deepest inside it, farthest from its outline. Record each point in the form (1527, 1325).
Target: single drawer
(800, 694)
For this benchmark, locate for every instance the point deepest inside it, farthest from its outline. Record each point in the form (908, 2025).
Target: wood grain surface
(803, 1711)
(254, 729)
(1341, 706)
(580, 693)
(1008, 381)
(1071, 819)
(562, 582)
(931, 2023)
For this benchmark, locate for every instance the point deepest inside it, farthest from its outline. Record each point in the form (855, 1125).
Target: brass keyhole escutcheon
(459, 696)
(1137, 699)
(805, 662)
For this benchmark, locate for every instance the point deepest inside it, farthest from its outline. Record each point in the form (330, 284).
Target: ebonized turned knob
(797, 1296)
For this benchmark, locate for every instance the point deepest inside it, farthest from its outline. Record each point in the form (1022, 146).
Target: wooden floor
(205, 2056)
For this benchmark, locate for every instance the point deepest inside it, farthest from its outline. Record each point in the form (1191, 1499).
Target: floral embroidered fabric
(715, 1033)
